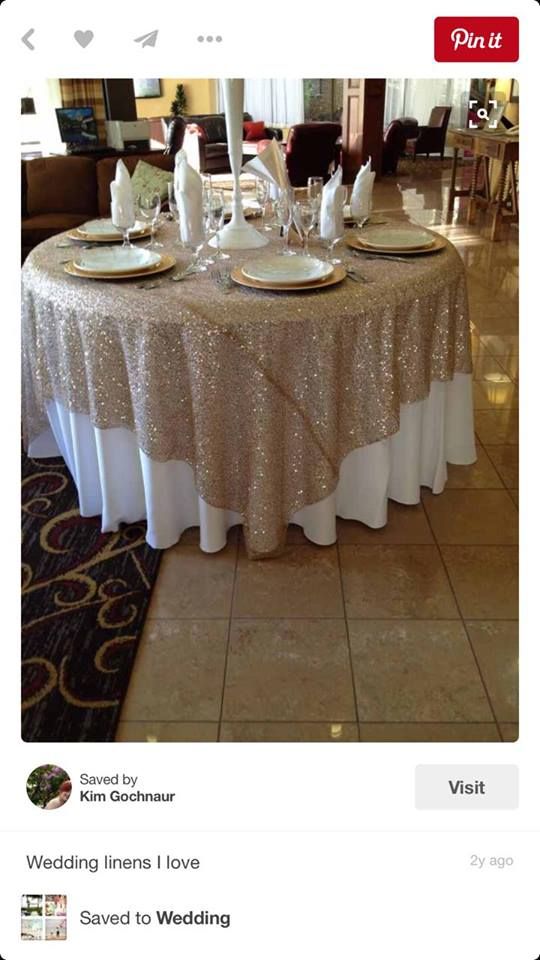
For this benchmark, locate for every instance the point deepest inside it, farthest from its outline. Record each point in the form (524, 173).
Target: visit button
(467, 787)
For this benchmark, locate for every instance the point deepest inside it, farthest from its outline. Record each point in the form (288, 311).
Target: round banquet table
(190, 404)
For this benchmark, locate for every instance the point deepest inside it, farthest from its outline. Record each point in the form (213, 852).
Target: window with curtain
(416, 98)
(323, 100)
(86, 93)
(277, 102)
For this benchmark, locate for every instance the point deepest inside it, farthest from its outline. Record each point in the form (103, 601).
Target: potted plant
(179, 104)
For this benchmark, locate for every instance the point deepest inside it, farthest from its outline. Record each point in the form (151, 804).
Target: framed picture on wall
(147, 88)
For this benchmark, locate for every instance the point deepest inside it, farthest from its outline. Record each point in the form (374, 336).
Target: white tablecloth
(116, 480)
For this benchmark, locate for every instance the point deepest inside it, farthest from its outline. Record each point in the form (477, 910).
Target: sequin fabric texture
(264, 394)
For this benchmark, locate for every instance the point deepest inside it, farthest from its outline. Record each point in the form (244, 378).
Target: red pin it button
(476, 39)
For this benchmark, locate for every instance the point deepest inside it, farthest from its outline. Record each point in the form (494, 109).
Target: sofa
(60, 193)
(211, 131)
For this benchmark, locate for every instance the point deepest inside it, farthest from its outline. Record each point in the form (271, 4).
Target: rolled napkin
(269, 165)
(188, 190)
(122, 204)
(332, 225)
(362, 191)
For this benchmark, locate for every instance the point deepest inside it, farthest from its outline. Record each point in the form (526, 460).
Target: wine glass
(149, 209)
(362, 212)
(216, 213)
(173, 206)
(208, 226)
(123, 220)
(305, 215)
(339, 231)
(284, 215)
(262, 190)
(315, 188)
(197, 265)
(331, 243)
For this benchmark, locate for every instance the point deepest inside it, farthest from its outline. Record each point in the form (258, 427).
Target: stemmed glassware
(262, 193)
(149, 209)
(173, 206)
(216, 216)
(331, 243)
(363, 213)
(126, 225)
(195, 246)
(314, 192)
(284, 215)
(305, 215)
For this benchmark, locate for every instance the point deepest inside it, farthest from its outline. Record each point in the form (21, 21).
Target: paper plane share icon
(148, 39)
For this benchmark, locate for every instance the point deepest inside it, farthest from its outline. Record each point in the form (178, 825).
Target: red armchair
(432, 138)
(312, 150)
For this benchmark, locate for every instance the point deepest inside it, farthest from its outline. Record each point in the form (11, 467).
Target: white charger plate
(116, 259)
(294, 270)
(397, 238)
(106, 228)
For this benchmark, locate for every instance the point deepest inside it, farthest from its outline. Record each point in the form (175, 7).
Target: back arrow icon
(26, 39)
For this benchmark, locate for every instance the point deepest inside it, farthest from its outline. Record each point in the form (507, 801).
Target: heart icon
(83, 37)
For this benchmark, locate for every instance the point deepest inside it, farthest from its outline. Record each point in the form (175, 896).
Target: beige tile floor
(403, 634)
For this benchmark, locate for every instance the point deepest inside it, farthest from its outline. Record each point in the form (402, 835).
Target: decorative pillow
(149, 179)
(254, 130)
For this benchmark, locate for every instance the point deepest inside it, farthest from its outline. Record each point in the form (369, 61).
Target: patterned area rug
(85, 595)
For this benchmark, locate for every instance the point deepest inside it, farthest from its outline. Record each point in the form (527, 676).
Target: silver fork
(224, 280)
(355, 274)
(183, 274)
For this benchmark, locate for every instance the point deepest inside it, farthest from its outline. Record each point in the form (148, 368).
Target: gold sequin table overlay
(264, 394)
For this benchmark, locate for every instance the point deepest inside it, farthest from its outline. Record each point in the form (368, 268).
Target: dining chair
(312, 151)
(432, 137)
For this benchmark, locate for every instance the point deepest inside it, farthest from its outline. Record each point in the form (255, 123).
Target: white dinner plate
(397, 238)
(295, 270)
(106, 228)
(116, 259)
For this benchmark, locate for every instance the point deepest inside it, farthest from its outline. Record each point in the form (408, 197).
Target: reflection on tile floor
(408, 633)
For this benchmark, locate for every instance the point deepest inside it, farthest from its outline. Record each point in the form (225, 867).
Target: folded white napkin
(188, 189)
(362, 191)
(122, 205)
(270, 166)
(332, 223)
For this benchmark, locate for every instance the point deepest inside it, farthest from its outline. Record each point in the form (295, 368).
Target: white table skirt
(116, 480)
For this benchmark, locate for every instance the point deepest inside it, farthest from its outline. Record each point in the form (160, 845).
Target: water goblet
(123, 221)
(362, 213)
(209, 232)
(314, 192)
(305, 213)
(195, 246)
(315, 187)
(284, 216)
(262, 190)
(217, 218)
(149, 209)
(330, 244)
(173, 206)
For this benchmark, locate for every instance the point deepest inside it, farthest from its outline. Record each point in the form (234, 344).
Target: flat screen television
(77, 125)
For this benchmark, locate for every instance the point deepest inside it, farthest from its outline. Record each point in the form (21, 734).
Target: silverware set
(382, 256)
(173, 278)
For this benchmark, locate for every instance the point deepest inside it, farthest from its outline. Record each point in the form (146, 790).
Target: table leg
(514, 191)
(452, 191)
(494, 235)
(471, 215)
